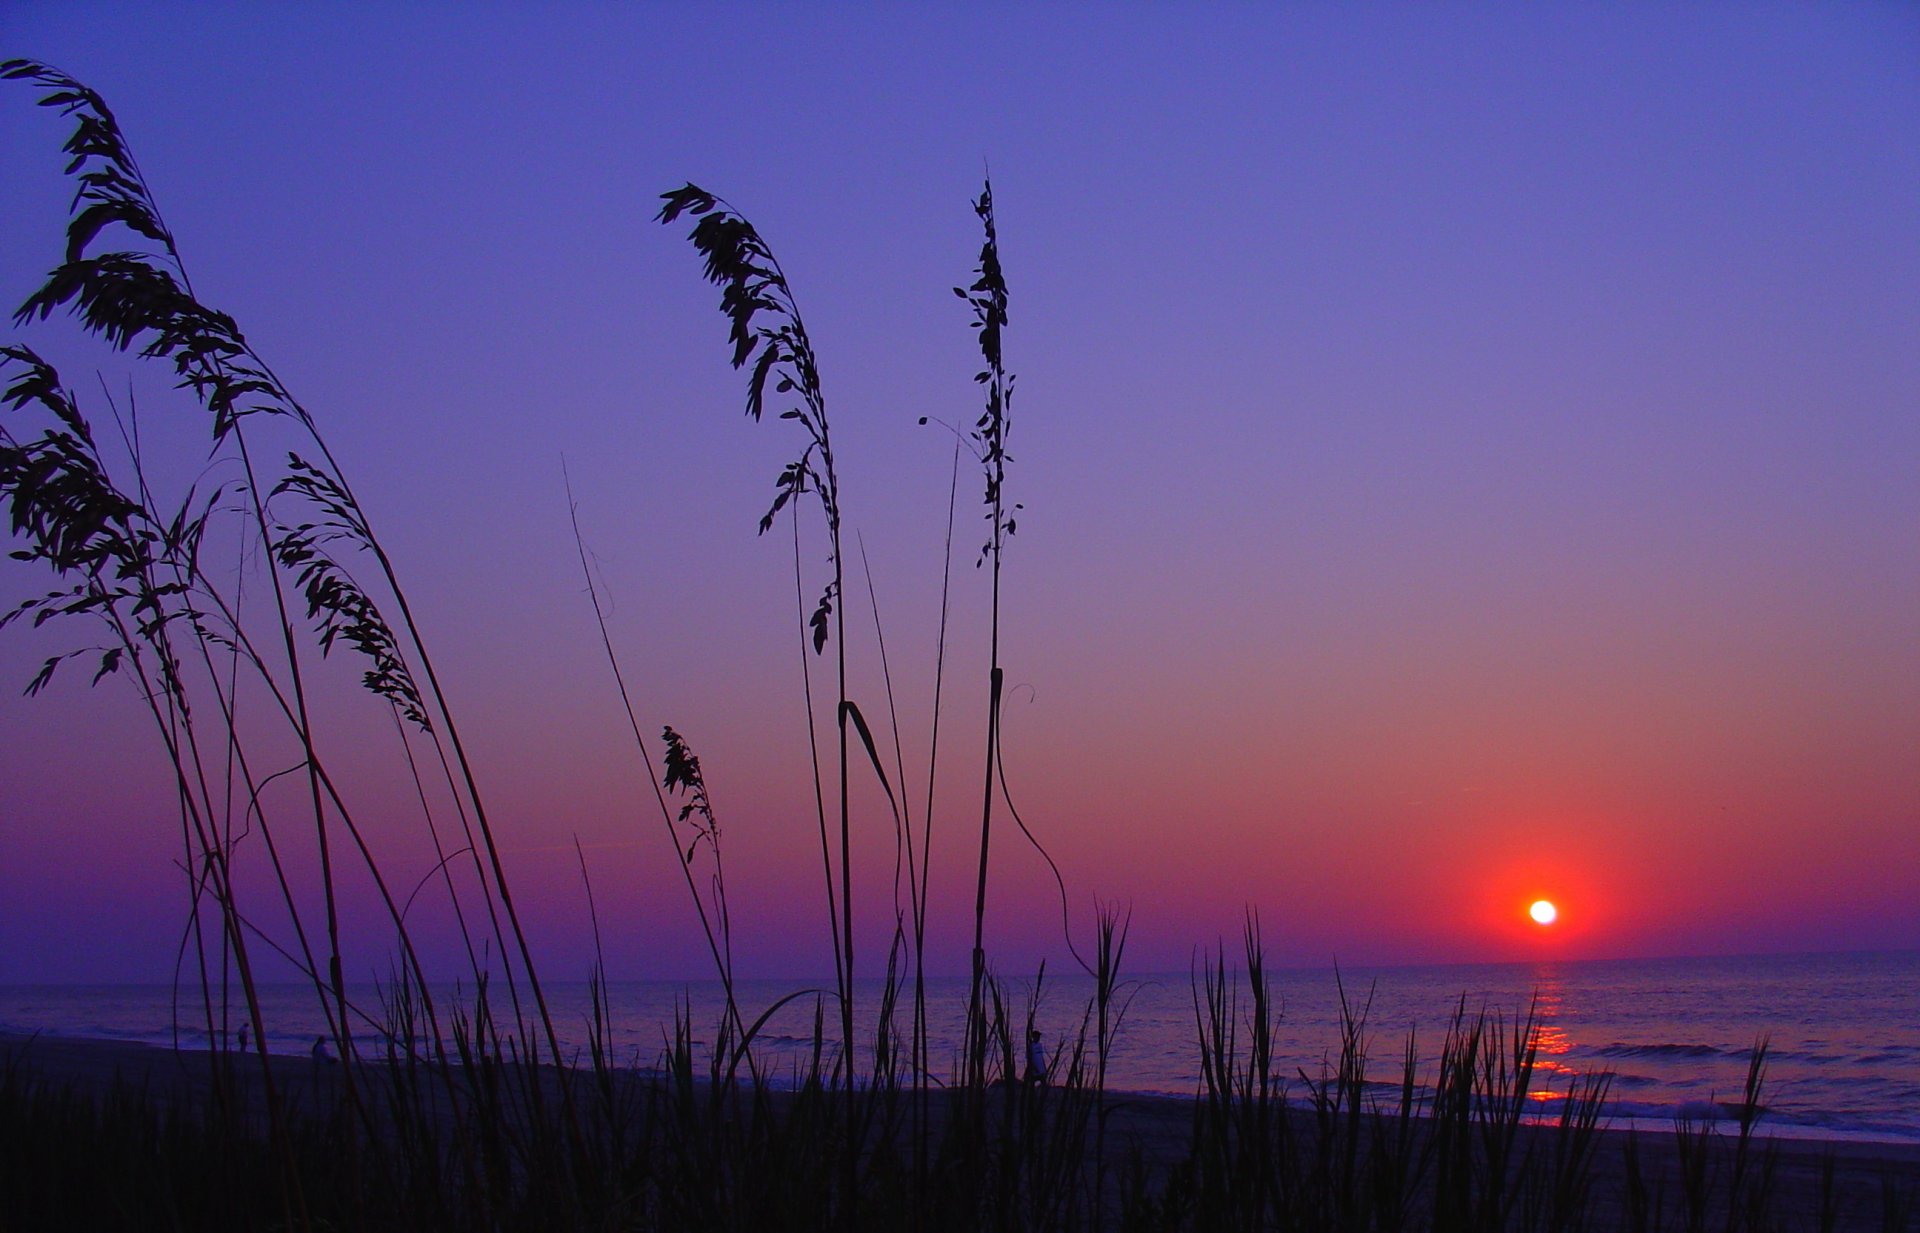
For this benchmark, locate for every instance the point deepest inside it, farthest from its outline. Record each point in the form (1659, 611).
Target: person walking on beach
(320, 1055)
(1036, 1059)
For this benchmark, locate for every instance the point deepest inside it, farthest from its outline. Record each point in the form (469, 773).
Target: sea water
(1675, 1035)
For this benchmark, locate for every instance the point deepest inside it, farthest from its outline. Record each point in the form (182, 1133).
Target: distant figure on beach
(1036, 1059)
(320, 1054)
(243, 1038)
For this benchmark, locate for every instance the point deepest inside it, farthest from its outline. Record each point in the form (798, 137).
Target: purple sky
(1470, 453)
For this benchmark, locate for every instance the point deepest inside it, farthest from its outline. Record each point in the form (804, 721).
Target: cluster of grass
(494, 1144)
(481, 1120)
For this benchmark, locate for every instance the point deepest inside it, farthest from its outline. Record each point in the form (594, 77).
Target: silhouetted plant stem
(1111, 927)
(922, 1057)
(331, 484)
(1743, 1204)
(128, 427)
(336, 977)
(752, 282)
(243, 650)
(720, 947)
(114, 191)
(988, 299)
(902, 814)
(129, 297)
(444, 862)
(73, 518)
(191, 579)
(813, 752)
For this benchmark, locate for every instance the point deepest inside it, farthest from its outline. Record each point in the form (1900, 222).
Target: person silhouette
(320, 1054)
(1036, 1059)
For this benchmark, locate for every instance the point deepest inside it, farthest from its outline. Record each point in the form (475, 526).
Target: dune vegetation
(219, 599)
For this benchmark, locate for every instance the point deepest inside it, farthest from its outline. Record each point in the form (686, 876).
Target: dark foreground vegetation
(493, 1146)
(220, 602)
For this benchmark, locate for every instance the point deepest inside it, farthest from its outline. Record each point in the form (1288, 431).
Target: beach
(1848, 1179)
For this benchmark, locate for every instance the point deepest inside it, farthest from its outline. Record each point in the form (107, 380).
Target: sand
(1160, 1126)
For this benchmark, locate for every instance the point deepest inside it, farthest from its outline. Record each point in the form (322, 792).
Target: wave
(1619, 1050)
(1890, 1055)
(1774, 1120)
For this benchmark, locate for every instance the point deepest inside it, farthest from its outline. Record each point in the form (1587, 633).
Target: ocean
(1843, 1030)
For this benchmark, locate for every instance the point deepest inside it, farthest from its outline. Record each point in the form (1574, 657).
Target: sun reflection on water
(1550, 1039)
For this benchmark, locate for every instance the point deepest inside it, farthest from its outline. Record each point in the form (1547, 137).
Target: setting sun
(1543, 912)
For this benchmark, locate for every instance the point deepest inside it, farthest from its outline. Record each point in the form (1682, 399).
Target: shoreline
(95, 1061)
(1853, 1178)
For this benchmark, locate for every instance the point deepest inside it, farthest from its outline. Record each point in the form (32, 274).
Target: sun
(1543, 912)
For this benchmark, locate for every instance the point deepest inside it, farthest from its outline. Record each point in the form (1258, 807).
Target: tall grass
(165, 584)
(988, 299)
(465, 1112)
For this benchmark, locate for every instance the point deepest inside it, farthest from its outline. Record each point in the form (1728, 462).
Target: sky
(1469, 454)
